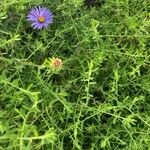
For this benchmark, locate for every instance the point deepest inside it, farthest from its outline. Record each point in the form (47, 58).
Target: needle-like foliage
(83, 83)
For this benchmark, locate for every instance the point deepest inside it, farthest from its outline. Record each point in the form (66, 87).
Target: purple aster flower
(40, 17)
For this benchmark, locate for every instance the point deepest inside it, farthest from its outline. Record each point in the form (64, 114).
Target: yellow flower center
(41, 19)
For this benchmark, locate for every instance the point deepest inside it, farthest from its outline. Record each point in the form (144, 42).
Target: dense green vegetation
(99, 99)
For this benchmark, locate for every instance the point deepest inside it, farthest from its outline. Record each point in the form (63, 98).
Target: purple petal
(36, 25)
(34, 12)
(43, 11)
(32, 18)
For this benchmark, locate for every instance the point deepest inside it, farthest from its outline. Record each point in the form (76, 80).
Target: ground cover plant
(79, 82)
